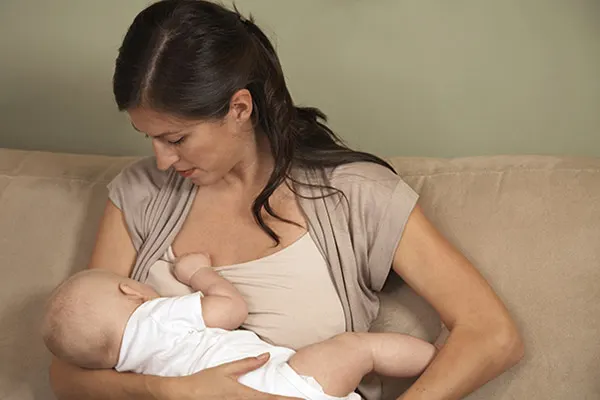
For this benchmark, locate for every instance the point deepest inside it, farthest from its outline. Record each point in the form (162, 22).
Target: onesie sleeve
(180, 312)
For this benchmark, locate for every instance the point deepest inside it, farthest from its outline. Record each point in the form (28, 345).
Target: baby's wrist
(196, 274)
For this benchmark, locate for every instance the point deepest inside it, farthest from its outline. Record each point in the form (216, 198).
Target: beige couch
(532, 225)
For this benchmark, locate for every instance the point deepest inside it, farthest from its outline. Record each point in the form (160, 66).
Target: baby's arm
(222, 305)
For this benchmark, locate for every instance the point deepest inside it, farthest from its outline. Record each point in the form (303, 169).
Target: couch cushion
(532, 227)
(49, 208)
(531, 224)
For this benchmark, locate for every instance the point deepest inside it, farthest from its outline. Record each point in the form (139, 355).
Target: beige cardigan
(357, 233)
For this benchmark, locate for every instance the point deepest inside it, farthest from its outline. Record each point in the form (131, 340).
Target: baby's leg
(340, 363)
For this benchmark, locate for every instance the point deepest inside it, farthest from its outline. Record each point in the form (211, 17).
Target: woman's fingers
(240, 367)
(235, 369)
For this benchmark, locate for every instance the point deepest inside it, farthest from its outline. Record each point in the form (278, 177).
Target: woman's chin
(204, 178)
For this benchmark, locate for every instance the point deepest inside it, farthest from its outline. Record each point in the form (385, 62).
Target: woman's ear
(241, 105)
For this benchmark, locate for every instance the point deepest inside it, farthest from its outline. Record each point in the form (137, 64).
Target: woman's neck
(255, 168)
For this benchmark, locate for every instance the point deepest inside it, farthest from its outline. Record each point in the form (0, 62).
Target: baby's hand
(186, 266)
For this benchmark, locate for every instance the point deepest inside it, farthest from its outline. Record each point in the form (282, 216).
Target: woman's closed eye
(174, 142)
(177, 141)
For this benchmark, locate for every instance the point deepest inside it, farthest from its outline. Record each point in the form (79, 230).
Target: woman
(306, 228)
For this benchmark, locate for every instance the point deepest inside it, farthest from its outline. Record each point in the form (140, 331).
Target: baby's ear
(131, 292)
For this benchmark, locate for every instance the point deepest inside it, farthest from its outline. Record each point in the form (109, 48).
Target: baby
(97, 319)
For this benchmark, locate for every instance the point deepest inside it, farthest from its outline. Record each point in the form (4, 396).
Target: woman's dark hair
(188, 57)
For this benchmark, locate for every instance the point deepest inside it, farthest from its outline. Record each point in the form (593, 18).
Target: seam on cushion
(499, 171)
(401, 175)
(62, 178)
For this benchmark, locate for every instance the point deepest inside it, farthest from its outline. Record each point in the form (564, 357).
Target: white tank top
(291, 298)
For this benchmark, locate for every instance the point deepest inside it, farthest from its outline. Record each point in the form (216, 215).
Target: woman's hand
(216, 383)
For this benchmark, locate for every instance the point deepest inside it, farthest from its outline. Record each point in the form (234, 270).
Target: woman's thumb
(245, 365)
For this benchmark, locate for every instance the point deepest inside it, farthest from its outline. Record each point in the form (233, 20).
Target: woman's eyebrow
(162, 134)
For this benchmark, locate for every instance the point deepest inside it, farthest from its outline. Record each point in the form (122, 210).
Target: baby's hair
(73, 328)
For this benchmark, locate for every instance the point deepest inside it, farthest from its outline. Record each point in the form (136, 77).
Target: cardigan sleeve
(378, 205)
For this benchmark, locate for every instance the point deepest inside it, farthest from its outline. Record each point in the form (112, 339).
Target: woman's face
(203, 151)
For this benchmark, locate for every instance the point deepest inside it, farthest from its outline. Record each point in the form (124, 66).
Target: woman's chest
(291, 298)
(229, 232)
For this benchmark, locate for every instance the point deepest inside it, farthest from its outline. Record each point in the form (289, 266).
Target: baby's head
(87, 314)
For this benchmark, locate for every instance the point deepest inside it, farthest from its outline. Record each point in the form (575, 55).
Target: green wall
(397, 77)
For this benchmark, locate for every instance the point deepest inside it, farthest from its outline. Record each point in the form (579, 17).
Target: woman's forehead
(157, 123)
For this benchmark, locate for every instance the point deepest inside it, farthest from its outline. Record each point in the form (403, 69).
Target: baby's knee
(356, 339)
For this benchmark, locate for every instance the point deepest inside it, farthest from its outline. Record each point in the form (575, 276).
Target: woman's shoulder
(361, 181)
(354, 172)
(358, 181)
(362, 173)
(137, 181)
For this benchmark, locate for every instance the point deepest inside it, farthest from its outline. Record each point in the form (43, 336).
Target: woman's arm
(114, 251)
(73, 383)
(70, 383)
(483, 341)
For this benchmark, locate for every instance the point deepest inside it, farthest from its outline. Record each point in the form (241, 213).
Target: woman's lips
(186, 173)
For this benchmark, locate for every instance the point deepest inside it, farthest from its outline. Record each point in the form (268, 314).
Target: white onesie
(167, 337)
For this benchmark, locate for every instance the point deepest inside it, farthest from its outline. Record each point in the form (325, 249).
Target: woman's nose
(165, 156)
